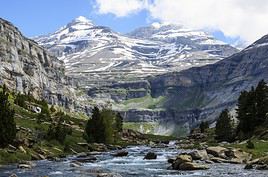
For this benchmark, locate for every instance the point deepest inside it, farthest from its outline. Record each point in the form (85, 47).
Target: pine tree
(93, 126)
(119, 122)
(109, 123)
(261, 97)
(102, 127)
(224, 129)
(7, 122)
(203, 126)
(252, 110)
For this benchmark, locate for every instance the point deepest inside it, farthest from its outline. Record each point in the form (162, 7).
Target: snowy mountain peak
(80, 22)
(101, 55)
(158, 25)
(82, 19)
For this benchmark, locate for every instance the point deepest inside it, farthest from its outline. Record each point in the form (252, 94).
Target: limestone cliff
(27, 68)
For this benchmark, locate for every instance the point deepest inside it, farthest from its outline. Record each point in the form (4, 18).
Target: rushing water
(130, 166)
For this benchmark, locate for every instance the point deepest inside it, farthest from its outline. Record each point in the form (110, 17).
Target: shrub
(250, 144)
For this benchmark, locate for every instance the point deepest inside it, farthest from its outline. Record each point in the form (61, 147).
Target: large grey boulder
(217, 151)
(199, 155)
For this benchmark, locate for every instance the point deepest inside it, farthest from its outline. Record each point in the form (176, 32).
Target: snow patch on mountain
(98, 54)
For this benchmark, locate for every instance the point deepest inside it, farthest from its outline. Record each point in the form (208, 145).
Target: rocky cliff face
(202, 92)
(27, 68)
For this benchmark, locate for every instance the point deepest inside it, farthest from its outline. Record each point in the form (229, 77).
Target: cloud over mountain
(236, 18)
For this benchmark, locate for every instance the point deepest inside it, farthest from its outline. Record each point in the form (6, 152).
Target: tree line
(104, 126)
(251, 114)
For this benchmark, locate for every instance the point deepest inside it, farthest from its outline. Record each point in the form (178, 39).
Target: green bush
(250, 145)
(58, 130)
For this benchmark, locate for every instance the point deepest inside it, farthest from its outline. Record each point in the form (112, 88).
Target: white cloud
(236, 18)
(120, 8)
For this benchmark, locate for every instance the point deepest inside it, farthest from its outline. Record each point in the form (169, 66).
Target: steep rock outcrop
(27, 68)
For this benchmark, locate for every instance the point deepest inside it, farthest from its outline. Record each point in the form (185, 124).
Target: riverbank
(133, 164)
(30, 143)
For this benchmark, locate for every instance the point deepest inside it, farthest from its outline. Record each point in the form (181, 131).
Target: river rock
(88, 159)
(120, 154)
(22, 149)
(83, 144)
(217, 151)
(42, 157)
(26, 165)
(218, 160)
(150, 156)
(81, 155)
(192, 166)
(259, 164)
(199, 155)
(262, 167)
(182, 158)
(75, 164)
(97, 147)
(248, 166)
(237, 155)
(171, 160)
(109, 175)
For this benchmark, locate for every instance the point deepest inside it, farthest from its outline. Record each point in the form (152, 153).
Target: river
(131, 166)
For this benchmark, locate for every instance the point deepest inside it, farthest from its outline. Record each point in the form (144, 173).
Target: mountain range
(170, 93)
(102, 56)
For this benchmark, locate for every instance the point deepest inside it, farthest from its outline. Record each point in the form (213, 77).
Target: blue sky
(37, 17)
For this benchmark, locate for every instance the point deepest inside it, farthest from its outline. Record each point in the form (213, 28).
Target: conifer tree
(103, 127)
(224, 129)
(119, 122)
(261, 97)
(7, 122)
(203, 126)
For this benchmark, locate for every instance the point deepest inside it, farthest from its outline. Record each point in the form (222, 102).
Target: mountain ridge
(97, 51)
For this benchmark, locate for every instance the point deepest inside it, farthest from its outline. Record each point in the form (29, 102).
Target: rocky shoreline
(195, 159)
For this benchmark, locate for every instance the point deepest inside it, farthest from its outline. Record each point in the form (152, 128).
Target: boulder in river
(217, 151)
(192, 166)
(97, 147)
(259, 164)
(25, 165)
(237, 155)
(88, 159)
(120, 153)
(13, 175)
(185, 162)
(199, 155)
(75, 164)
(109, 175)
(150, 156)
(82, 155)
(182, 158)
